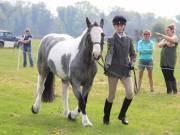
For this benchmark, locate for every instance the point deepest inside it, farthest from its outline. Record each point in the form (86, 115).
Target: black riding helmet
(119, 20)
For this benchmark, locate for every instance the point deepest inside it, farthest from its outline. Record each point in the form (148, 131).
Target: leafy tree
(71, 19)
(41, 19)
(160, 25)
(178, 24)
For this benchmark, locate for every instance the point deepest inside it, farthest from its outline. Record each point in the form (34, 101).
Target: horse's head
(97, 37)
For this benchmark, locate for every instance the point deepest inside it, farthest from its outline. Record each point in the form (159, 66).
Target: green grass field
(150, 113)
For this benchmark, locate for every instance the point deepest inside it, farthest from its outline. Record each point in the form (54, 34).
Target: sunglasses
(146, 34)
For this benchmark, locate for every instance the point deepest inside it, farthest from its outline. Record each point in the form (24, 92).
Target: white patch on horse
(60, 49)
(96, 38)
(85, 121)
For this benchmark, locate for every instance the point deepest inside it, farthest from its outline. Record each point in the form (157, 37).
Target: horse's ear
(88, 22)
(102, 23)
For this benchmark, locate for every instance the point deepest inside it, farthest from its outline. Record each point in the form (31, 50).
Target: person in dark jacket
(168, 58)
(118, 64)
(26, 47)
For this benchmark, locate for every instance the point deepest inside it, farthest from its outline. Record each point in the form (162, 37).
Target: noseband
(93, 43)
(96, 43)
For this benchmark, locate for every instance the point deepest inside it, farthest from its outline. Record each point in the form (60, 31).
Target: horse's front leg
(85, 93)
(75, 113)
(81, 104)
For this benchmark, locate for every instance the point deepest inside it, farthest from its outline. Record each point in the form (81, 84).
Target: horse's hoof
(87, 124)
(33, 111)
(66, 114)
(70, 118)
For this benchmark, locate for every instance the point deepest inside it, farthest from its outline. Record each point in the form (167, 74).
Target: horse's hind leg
(73, 114)
(40, 88)
(65, 85)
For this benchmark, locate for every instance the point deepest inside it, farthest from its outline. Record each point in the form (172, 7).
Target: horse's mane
(83, 33)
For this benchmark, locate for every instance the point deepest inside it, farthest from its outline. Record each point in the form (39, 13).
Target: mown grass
(150, 113)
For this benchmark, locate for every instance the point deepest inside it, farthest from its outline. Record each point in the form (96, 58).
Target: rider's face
(119, 27)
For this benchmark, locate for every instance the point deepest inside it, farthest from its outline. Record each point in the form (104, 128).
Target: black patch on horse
(65, 62)
(52, 66)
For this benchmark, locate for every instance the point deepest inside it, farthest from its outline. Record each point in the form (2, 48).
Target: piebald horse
(73, 60)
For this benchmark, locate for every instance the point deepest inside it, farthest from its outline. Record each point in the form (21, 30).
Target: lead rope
(102, 65)
(135, 82)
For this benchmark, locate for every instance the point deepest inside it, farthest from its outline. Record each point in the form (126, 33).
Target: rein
(116, 74)
(102, 65)
(135, 82)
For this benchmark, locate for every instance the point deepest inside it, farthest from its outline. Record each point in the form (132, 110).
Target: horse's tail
(48, 94)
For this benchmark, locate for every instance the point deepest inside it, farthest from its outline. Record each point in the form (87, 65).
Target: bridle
(100, 43)
(96, 43)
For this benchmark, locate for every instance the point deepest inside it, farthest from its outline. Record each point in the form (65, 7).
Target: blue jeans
(27, 49)
(145, 64)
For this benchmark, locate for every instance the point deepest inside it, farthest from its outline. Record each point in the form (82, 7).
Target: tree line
(71, 19)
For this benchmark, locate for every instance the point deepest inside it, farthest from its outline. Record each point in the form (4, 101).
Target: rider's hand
(106, 67)
(131, 66)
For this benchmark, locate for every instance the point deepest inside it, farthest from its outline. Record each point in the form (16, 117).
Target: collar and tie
(121, 34)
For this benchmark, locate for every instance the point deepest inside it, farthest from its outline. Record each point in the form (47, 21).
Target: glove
(106, 68)
(131, 66)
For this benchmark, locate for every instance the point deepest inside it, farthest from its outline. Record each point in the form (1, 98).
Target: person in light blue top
(145, 49)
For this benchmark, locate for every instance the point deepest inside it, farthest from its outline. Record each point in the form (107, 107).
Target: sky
(164, 8)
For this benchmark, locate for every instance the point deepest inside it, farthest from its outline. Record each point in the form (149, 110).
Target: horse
(73, 60)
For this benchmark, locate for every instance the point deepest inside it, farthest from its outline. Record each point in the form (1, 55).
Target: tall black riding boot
(174, 87)
(122, 114)
(107, 110)
(168, 86)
